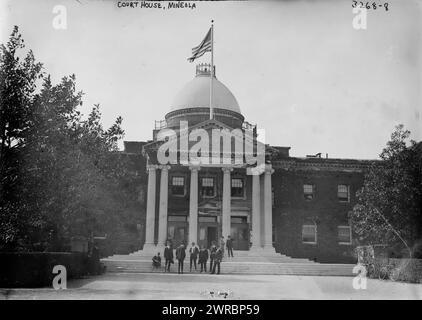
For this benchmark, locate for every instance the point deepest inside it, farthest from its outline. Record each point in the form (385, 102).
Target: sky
(298, 69)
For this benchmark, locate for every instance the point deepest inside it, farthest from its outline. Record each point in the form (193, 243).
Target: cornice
(312, 164)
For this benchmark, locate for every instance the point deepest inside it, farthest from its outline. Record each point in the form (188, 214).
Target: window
(237, 187)
(309, 234)
(178, 186)
(344, 235)
(308, 191)
(207, 187)
(343, 193)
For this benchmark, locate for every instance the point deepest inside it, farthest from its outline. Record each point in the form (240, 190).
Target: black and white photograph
(221, 151)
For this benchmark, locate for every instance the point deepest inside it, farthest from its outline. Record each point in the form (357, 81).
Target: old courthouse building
(297, 206)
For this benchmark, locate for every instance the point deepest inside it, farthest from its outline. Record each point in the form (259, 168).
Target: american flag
(204, 46)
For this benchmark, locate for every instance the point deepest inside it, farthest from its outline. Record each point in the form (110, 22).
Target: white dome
(196, 94)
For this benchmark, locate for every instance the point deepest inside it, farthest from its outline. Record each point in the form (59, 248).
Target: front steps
(244, 262)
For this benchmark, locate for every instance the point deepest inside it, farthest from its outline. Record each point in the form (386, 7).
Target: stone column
(256, 212)
(226, 225)
(162, 220)
(150, 216)
(193, 205)
(268, 210)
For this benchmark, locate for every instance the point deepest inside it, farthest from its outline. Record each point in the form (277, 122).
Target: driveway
(205, 286)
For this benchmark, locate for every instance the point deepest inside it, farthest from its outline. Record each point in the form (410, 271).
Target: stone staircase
(244, 262)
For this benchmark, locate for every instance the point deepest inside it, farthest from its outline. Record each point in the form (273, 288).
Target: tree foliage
(389, 208)
(61, 174)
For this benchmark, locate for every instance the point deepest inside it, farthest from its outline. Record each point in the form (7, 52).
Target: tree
(62, 175)
(18, 79)
(389, 207)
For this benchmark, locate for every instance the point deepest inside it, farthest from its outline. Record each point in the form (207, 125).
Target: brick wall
(291, 211)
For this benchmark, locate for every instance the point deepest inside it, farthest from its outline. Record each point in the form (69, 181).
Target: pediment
(209, 126)
(212, 140)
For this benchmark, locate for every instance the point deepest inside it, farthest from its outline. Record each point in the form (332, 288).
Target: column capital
(227, 169)
(269, 169)
(256, 170)
(152, 167)
(164, 167)
(194, 168)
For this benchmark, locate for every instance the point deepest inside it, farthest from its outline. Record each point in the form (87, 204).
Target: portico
(257, 219)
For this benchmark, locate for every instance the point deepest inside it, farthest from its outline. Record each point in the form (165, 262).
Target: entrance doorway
(240, 233)
(211, 235)
(177, 230)
(207, 230)
(179, 236)
(207, 234)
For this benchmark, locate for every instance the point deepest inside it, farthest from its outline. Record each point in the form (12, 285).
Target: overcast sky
(297, 68)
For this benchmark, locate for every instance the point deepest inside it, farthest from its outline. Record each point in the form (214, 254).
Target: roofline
(324, 164)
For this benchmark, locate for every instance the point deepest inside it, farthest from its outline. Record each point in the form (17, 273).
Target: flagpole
(212, 69)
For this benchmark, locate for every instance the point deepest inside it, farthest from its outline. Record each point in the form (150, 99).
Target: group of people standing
(196, 255)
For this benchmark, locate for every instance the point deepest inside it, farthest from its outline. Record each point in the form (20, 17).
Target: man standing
(213, 249)
(229, 245)
(168, 256)
(193, 253)
(180, 256)
(217, 260)
(203, 258)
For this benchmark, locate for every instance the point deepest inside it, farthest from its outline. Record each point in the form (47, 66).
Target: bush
(382, 264)
(406, 270)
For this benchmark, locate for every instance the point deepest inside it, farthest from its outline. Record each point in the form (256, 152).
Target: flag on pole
(204, 46)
